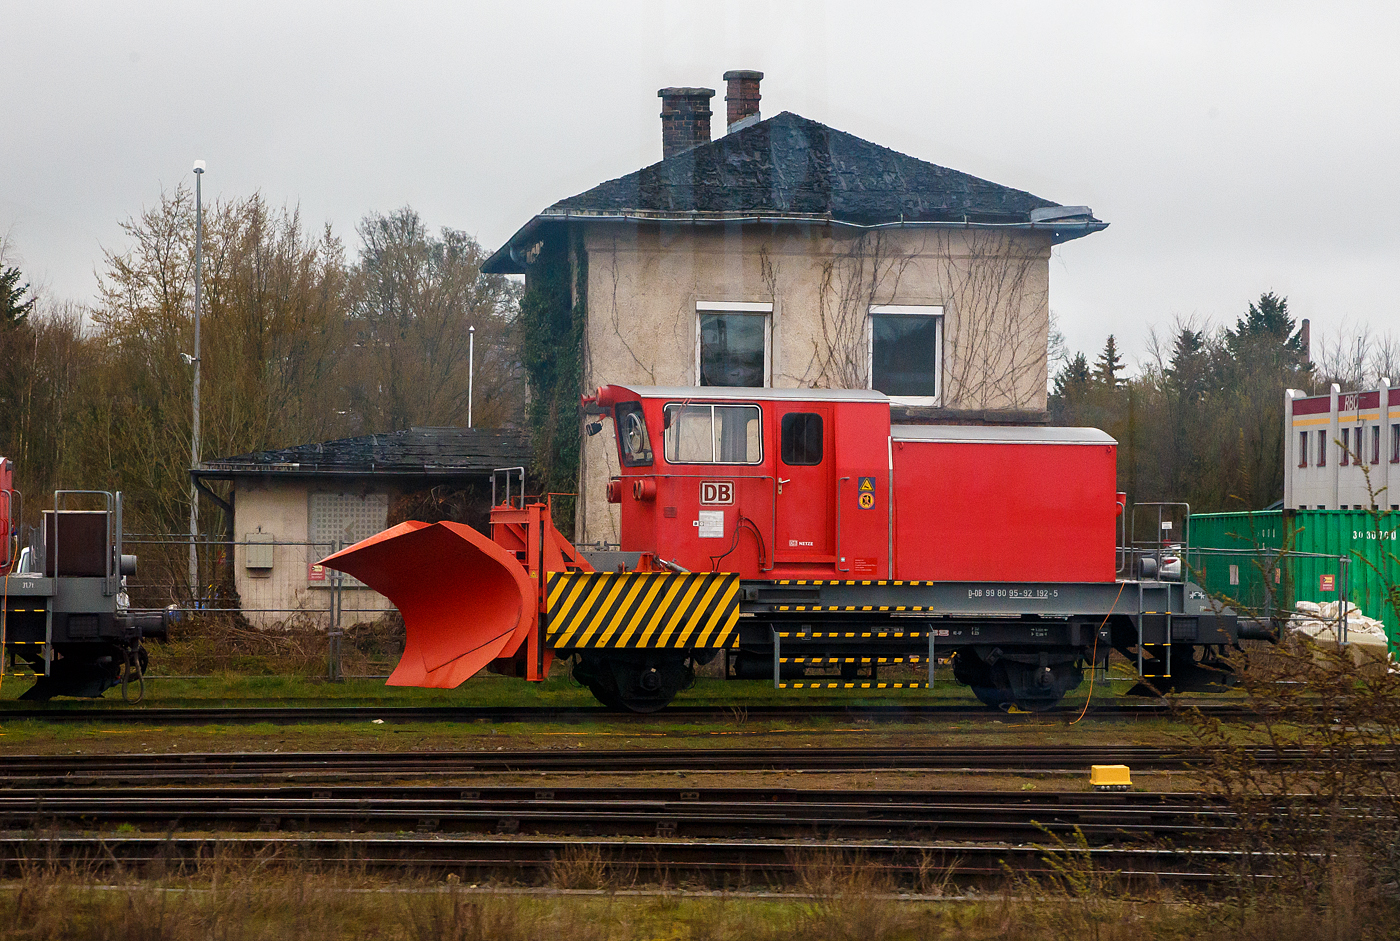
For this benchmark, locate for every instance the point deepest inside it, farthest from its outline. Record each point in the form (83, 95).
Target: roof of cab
(751, 394)
(1000, 434)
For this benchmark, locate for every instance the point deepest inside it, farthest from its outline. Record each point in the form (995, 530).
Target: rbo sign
(716, 492)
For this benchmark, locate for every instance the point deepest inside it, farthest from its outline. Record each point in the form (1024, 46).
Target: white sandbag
(1367, 643)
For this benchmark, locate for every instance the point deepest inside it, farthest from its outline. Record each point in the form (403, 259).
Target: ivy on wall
(552, 316)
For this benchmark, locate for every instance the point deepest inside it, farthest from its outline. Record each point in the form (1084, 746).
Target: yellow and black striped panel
(642, 611)
(819, 684)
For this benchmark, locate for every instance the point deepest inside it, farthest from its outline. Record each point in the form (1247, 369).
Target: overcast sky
(1234, 147)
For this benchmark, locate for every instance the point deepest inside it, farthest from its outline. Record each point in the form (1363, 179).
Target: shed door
(805, 510)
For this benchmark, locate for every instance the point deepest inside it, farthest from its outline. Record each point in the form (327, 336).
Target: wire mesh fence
(266, 594)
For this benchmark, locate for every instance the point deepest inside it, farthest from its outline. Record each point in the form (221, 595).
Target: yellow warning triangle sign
(867, 483)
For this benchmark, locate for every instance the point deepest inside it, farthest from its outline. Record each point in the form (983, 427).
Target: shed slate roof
(793, 167)
(418, 452)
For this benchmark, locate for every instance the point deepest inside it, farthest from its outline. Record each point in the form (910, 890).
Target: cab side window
(632, 434)
(802, 438)
(713, 434)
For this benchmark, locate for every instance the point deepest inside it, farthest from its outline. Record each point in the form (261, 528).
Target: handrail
(10, 546)
(838, 524)
(507, 471)
(58, 496)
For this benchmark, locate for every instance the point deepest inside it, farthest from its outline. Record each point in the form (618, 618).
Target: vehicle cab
(767, 483)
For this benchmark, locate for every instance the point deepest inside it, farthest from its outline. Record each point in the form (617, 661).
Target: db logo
(716, 492)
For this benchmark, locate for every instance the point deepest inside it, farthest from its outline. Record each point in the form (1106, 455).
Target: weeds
(580, 866)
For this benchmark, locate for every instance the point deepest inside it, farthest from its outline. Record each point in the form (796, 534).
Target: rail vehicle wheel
(1006, 682)
(972, 671)
(1036, 687)
(635, 682)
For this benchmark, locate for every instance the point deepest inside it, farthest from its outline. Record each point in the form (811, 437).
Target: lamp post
(471, 370)
(194, 436)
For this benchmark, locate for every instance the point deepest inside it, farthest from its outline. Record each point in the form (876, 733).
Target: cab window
(802, 438)
(632, 435)
(713, 434)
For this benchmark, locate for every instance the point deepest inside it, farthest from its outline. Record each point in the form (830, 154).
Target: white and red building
(1342, 449)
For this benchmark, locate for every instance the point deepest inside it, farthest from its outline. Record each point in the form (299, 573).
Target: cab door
(804, 503)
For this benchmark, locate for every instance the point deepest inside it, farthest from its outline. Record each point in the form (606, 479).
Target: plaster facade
(645, 281)
(272, 522)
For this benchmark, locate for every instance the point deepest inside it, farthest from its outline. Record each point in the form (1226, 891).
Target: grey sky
(1235, 148)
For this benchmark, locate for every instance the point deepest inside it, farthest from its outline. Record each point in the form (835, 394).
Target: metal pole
(194, 436)
(471, 371)
(777, 658)
(932, 656)
(334, 632)
(1344, 564)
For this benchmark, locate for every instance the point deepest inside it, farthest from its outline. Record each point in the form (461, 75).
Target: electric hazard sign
(866, 492)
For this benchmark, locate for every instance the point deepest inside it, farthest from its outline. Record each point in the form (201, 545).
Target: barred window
(342, 519)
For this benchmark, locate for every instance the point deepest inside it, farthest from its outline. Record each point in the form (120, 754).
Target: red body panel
(978, 511)
(778, 520)
(9, 507)
(991, 504)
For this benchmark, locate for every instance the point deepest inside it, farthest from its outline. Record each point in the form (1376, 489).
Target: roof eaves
(507, 258)
(226, 470)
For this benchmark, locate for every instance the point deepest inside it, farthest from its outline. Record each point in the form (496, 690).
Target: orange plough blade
(465, 601)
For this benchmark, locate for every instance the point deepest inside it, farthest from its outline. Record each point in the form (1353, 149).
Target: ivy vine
(552, 316)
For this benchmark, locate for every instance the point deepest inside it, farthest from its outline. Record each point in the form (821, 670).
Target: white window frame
(751, 308)
(917, 310)
(714, 456)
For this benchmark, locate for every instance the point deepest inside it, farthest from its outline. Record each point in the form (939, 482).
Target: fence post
(333, 630)
(1344, 564)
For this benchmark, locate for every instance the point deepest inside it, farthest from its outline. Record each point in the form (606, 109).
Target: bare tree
(997, 319)
(413, 299)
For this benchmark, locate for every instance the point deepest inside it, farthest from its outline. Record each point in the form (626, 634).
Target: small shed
(291, 507)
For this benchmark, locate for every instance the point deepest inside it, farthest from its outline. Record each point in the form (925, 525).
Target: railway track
(388, 765)
(724, 862)
(245, 715)
(709, 813)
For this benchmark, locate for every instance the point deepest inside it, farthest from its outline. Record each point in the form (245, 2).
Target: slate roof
(418, 452)
(794, 168)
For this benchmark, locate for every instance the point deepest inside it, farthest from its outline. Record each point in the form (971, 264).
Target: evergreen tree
(1109, 365)
(1074, 377)
(14, 309)
(1266, 337)
(1186, 376)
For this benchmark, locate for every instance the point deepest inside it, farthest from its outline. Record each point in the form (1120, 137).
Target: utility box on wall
(258, 554)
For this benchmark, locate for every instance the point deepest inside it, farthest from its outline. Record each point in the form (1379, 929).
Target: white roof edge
(753, 394)
(1001, 434)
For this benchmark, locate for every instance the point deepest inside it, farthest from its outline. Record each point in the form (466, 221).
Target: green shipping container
(1233, 556)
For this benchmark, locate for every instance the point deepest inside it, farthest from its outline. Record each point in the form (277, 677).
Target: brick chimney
(685, 118)
(741, 98)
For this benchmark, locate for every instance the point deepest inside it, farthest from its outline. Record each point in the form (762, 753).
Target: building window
(338, 520)
(1302, 449)
(713, 434)
(1395, 444)
(1345, 459)
(802, 438)
(1322, 449)
(1375, 444)
(732, 344)
(1359, 446)
(905, 346)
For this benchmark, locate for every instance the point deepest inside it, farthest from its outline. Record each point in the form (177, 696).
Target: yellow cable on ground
(1094, 657)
